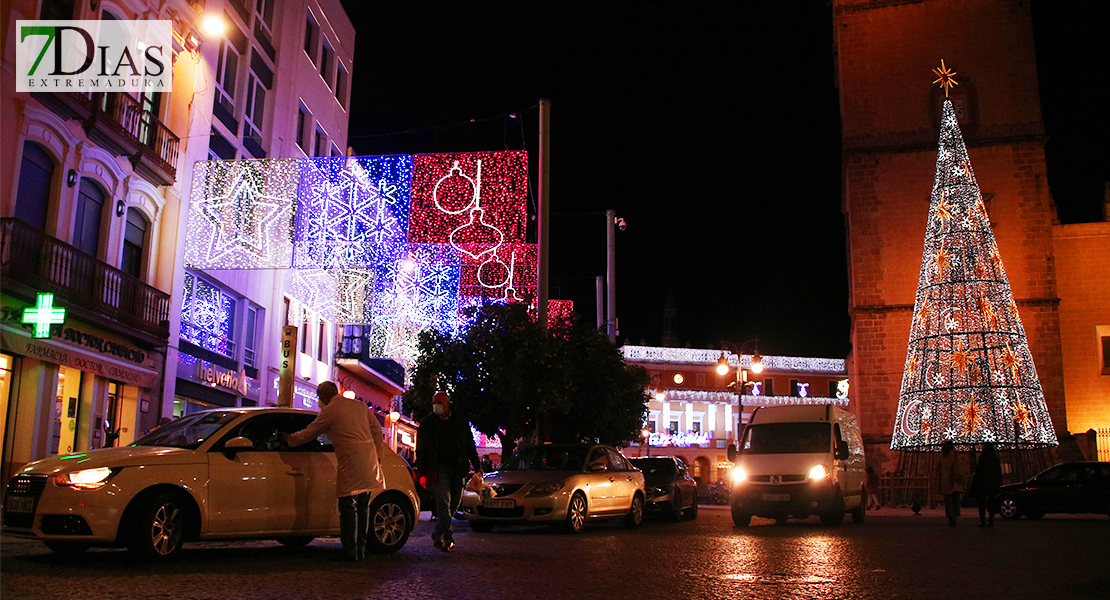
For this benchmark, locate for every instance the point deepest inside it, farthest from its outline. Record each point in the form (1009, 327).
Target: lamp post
(737, 386)
(647, 440)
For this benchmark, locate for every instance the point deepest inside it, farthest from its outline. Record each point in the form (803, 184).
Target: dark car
(669, 488)
(1078, 487)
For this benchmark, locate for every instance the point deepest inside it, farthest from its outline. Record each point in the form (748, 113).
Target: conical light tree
(969, 376)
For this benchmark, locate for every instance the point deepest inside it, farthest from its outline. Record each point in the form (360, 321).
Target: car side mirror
(732, 453)
(237, 444)
(841, 450)
(595, 467)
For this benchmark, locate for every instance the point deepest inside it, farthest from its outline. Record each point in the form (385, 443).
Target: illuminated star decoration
(959, 358)
(1010, 359)
(248, 220)
(972, 416)
(944, 77)
(990, 317)
(944, 211)
(1021, 413)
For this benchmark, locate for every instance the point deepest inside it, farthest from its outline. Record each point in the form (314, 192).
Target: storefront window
(7, 363)
(66, 406)
(207, 316)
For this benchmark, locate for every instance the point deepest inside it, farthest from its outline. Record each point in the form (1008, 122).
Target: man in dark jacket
(987, 481)
(444, 446)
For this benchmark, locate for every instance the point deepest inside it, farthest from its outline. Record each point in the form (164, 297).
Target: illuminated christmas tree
(969, 376)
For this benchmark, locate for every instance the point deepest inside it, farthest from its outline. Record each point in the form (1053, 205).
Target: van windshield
(786, 438)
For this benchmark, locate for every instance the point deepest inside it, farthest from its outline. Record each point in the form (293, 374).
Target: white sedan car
(559, 484)
(212, 475)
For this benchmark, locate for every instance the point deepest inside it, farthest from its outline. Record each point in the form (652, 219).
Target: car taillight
(423, 481)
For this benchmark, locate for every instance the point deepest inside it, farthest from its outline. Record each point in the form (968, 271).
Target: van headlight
(738, 475)
(818, 472)
(87, 479)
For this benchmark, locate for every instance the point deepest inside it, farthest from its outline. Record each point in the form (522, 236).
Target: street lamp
(737, 386)
(647, 440)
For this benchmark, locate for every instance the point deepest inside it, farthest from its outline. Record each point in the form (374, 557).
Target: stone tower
(885, 50)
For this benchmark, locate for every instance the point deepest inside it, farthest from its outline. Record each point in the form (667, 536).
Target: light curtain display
(969, 376)
(400, 243)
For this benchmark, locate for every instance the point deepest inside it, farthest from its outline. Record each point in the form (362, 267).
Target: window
(36, 176)
(1106, 355)
(311, 34)
(86, 219)
(793, 387)
(264, 17)
(249, 342)
(227, 66)
(302, 129)
(56, 10)
(651, 426)
(674, 427)
(335, 151)
(695, 427)
(207, 316)
(341, 78)
(322, 342)
(768, 387)
(327, 55)
(134, 243)
(321, 139)
(304, 330)
(255, 107)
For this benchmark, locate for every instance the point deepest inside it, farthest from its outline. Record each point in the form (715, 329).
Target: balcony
(32, 261)
(354, 354)
(117, 122)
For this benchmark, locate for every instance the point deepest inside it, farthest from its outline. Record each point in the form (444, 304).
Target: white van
(797, 461)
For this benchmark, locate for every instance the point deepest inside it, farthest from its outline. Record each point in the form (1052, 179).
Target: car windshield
(547, 458)
(655, 469)
(187, 432)
(786, 438)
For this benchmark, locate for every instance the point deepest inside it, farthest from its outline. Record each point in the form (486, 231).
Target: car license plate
(499, 503)
(776, 497)
(20, 504)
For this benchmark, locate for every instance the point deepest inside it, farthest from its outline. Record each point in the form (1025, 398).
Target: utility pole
(600, 301)
(611, 273)
(543, 228)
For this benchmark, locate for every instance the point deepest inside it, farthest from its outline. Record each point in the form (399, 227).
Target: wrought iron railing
(31, 257)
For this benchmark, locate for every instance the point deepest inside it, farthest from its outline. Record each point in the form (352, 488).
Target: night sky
(714, 133)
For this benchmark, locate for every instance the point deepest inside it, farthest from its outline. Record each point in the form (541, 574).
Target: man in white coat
(356, 435)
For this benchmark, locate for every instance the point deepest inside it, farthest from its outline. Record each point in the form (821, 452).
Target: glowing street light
(213, 26)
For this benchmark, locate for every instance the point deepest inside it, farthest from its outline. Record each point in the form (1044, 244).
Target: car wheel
(739, 518)
(1008, 507)
(675, 512)
(481, 526)
(635, 514)
(692, 512)
(577, 513)
(835, 516)
(68, 548)
(295, 541)
(860, 512)
(390, 523)
(158, 528)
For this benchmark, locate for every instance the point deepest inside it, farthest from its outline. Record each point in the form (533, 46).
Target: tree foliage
(520, 381)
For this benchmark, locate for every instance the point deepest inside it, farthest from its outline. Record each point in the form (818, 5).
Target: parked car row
(224, 475)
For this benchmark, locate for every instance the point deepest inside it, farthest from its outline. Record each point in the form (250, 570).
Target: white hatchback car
(559, 484)
(212, 475)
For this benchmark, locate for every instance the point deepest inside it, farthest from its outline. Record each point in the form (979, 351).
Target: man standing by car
(356, 435)
(444, 446)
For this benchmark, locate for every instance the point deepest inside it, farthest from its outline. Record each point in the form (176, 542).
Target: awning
(19, 342)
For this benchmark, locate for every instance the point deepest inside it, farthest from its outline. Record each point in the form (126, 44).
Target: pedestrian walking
(873, 489)
(444, 447)
(356, 435)
(986, 482)
(951, 477)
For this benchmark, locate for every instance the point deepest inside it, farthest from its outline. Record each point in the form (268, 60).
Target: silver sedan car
(559, 484)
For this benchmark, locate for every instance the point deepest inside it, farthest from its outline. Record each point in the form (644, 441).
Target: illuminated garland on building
(969, 376)
(705, 357)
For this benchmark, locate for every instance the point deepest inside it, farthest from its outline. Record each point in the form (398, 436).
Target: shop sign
(44, 327)
(231, 380)
(19, 342)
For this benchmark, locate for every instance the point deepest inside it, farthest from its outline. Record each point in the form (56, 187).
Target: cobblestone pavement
(893, 555)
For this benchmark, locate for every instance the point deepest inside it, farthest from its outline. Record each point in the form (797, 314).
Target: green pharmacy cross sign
(43, 315)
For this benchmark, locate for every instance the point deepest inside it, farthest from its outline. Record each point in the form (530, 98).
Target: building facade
(890, 114)
(90, 194)
(693, 413)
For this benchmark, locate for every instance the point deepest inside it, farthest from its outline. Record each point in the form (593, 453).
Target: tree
(969, 376)
(520, 381)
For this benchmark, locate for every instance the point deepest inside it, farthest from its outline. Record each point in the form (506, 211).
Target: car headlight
(818, 472)
(547, 488)
(87, 479)
(738, 475)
